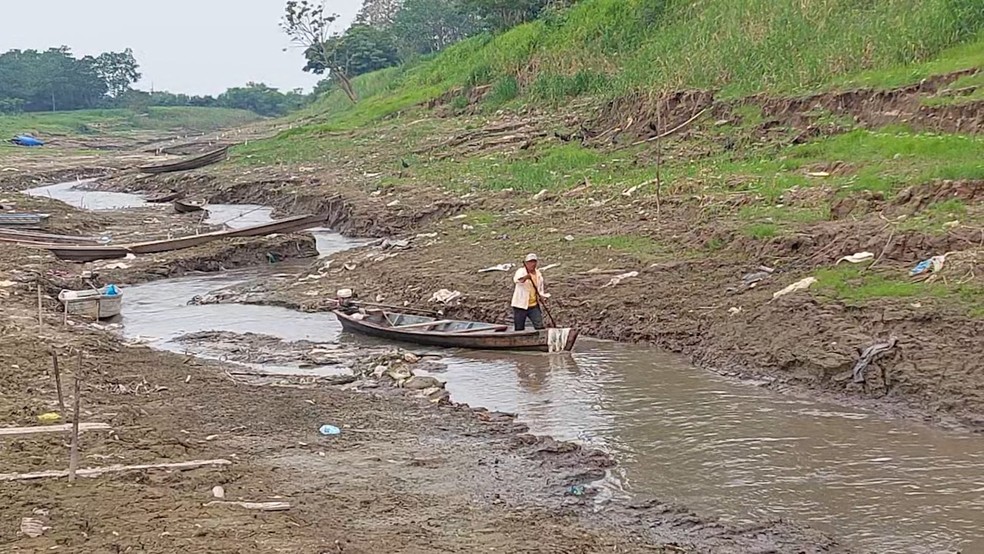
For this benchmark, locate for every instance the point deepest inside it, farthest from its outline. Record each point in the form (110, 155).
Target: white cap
(530, 258)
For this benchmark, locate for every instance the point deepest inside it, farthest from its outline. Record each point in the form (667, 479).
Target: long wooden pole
(73, 460)
(539, 298)
(58, 384)
(40, 320)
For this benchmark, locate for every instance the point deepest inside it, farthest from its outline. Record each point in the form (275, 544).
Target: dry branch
(97, 471)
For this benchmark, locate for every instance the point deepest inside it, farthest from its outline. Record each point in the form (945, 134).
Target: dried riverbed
(735, 451)
(424, 477)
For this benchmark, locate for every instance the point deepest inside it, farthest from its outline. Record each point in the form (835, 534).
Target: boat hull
(534, 340)
(208, 158)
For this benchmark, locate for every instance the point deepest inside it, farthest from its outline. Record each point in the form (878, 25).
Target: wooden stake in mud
(40, 320)
(73, 460)
(659, 156)
(58, 387)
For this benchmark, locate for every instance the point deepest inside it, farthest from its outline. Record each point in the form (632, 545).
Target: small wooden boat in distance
(162, 197)
(187, 206)
(203, 160)
(453, 333)
(23, 220)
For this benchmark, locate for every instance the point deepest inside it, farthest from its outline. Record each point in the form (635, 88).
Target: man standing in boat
(527, 295)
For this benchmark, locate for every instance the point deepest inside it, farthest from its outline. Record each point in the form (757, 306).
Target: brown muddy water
(719, 447)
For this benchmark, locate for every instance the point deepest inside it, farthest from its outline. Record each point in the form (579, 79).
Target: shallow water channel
(719, 447)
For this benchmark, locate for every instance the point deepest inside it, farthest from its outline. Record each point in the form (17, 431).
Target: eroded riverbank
(738, 452)
(430, 487)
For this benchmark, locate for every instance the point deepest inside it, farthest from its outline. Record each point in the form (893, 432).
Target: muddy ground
(410, 471)
(689, 253)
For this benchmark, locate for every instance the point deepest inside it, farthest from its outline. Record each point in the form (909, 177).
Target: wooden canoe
(162, 197)
(187, 206)
(208, 158)
(452, 333)
(12, 235)
(23, 220)
(93, 253)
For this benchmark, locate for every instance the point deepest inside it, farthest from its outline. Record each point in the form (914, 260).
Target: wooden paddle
(539, 298)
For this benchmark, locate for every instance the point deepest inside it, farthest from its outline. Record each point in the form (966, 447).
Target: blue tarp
(24, 140)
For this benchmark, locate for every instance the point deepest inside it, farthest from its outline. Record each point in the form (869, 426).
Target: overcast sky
(191, 46)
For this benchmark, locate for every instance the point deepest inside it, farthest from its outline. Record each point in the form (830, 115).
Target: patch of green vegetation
(761, 231)
(503, 90)
(640, 246)
(785, 214)
(93, 122)
(614, 47)
(855, 285)
(967, 89)
(969, 55)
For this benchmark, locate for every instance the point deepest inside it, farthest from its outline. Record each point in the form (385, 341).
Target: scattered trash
(951, 224)
(411, 358)
(444, 296)
(868, 355)
(802, 284)
(262, 506)
(218, 491)
(117, 265)
(350, 267)
(569, 238)
(329, 430)
(857, 258)
(734, 310)
(500, 267)
(467, 227)
(751, 280)
(460, 216)
(6, 284)
(551, 266)
(402, 244)
(26, 140)
(375, 193)
(344, 293)
(575, 490)
(393, 203)
(932, 265)
(619, 278)
(540, 195)
(49, 417)
(420, 382)
(32, 527)
(426, 235)
(631, 190)
(818, 174)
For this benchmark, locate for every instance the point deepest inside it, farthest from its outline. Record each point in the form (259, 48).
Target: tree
(426, 26)
(309, 26)
(360, 50)
(378, 13)
(118, 70)
(261, 99)
(502, 14)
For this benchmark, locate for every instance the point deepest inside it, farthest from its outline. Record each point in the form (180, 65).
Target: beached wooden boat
(17, 235)
(203, 160)
(187, 206)
(82, 254)
(93, 253)
(162, 197)
(23, 220)
(96, 303)
(453, 333)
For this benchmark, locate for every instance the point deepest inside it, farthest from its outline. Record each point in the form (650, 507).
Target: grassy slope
(606, 48)
(95, 122)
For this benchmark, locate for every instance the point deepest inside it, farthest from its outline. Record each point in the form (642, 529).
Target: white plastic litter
(802, 284)
(500, 267)
(557, 339)
(619, 278)
(445, 296)
(857, 258)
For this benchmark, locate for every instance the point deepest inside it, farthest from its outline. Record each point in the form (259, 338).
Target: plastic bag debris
(500, 267)
(802, 284)
(868, 355)
(932, 265)
(329, 430)
(444, 296)
(619, 278)
(857, 258)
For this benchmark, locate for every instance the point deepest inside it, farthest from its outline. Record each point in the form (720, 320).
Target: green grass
(854, 285)
(964, 56)
(761, 231)
(614, 47)
(98, 122)
(967, 89)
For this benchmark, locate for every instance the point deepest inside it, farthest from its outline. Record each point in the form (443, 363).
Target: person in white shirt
(527, 295)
